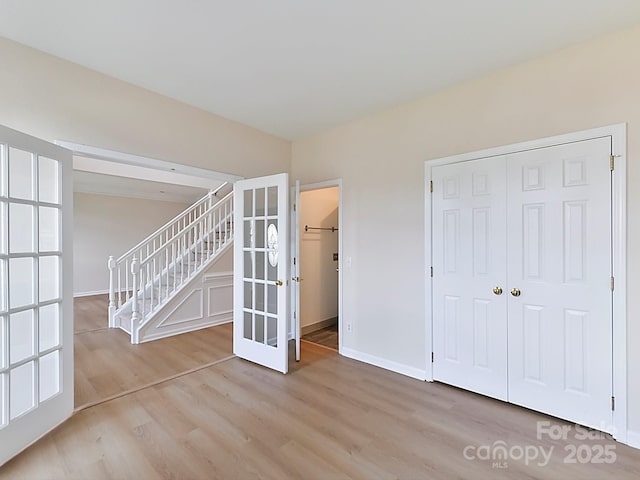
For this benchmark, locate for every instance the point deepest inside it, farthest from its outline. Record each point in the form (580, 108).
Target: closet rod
(332, 229)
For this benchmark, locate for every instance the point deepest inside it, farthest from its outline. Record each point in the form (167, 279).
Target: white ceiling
(296, 67)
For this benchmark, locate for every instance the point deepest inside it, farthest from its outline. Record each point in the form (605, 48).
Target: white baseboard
(633, 439)
(314, 327)
(384, 363)
(88, 294)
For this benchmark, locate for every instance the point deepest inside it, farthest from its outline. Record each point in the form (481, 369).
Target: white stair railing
(151, 272)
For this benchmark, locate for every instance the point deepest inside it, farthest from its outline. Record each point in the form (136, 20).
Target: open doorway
(122, 200)
(319, 265)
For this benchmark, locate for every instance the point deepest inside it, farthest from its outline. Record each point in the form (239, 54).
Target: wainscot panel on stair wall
(219, 296)
(207, 302)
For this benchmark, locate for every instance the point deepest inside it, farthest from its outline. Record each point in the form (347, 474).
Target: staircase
(156, 288)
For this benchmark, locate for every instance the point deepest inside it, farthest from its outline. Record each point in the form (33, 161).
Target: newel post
(112, 293)
(135, 308)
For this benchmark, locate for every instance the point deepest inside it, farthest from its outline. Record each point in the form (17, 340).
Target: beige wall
(104, 226)
(319, 290)
(381, 161)
(57, 100)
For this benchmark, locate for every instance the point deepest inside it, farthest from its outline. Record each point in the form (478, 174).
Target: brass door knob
(497, 290)
(515, 292)
(279, 283)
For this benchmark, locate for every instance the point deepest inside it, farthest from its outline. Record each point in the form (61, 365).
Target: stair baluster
(112, 300)
(135, 312)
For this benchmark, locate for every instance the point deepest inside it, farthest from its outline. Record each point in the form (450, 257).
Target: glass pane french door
(36, 327)
(261, 266)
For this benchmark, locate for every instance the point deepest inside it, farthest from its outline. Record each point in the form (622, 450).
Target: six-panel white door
(552, 350)
(36, 309)
(469, 252)
(261, 266)
(560, 326)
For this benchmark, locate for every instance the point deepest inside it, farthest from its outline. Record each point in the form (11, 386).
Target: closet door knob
(515, 292)
(497, 290)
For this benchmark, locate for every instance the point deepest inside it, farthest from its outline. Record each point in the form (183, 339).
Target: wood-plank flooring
(106, 364)
(330, 418)
(327, 336)
(90, 313)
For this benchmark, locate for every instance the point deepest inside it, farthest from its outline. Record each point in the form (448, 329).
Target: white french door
(261, 263)
(469, 251)
(560, 324)
(522, 269)
(36, 309)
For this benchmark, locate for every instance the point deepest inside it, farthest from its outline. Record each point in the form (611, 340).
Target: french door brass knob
(279, 283)
(497, 290)
(515, 292)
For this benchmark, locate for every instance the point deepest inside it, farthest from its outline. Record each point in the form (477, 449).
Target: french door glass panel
(261, 254)
(36, 338)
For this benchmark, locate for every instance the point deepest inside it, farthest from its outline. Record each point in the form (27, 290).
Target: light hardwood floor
(106, 364)
(330, 418)
(90, 313)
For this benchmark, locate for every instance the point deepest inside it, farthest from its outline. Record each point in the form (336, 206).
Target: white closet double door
(522, 303)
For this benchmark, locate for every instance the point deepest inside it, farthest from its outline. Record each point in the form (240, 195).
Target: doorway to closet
(319, 235)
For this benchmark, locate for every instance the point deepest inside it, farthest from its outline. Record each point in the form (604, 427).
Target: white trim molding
(428, 279)
(396, 367)
(89, 152)
(633, 439)
(90, 293)
(618, 135)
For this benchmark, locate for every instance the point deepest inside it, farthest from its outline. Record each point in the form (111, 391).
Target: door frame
(337, 182)
(618, 134)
